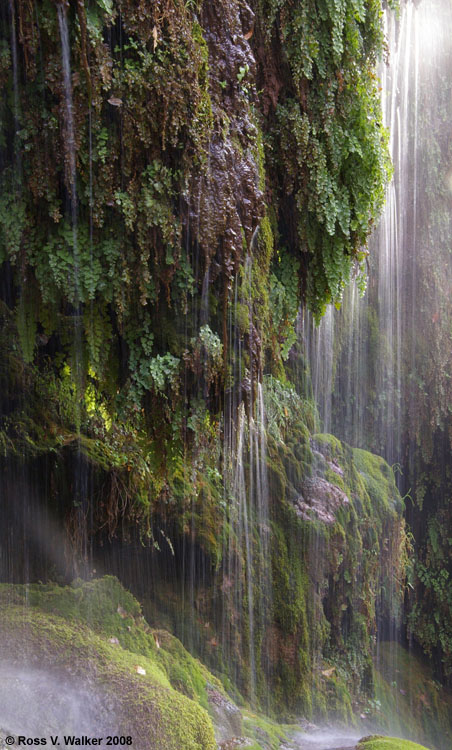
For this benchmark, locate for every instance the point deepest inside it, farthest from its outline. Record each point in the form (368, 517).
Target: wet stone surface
(320, 500)
(227, 719)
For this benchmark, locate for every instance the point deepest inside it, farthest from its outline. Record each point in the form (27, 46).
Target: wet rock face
(225, 201)
(236, 742)
(320, 499)
(226, 717)
(226, 25)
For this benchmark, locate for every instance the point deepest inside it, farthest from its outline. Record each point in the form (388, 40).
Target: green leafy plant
(329, 135)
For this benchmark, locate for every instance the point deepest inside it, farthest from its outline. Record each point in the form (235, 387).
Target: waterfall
(177, 450)
(16, 109)
(70, 163)
(318, 342)
(246, 575)
(392, 246)
(241, 526)
(78, 522)
(356, 353)
(369, 361)
(69, 108)
(247, 565)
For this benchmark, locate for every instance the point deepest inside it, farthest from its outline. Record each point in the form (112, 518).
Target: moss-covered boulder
(338, 552)
(388, 743)
(91, 642)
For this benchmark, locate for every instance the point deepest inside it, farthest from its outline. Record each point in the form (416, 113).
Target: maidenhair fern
(329, 134)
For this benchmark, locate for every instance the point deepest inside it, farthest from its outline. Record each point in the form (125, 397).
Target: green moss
(104, 610)
(102, 604)
(291, 669)
(388, 743)
(412, 702)
(277, 479)
(339, 700)
(169, 720)
(290, 586)
(186, 674)
(242, 317)
(265, 734)
(341, 471)
(329, 443)
(379, 480)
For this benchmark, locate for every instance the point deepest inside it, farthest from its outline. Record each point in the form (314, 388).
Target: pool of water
(328, 739)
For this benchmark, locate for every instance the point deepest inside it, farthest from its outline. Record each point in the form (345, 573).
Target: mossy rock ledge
(388, 743)
(82, 660)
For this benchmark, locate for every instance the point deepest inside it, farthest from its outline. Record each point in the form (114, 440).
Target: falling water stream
(358, 355)
(363, 359)
(246, 501)
(69, 112)
(356, 360)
